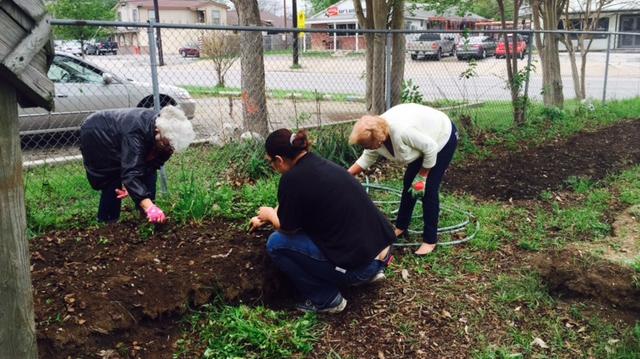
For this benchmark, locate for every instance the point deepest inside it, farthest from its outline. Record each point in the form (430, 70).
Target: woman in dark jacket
(122, 151)
(329, 232)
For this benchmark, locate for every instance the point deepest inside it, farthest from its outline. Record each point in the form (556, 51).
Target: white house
(135, 40)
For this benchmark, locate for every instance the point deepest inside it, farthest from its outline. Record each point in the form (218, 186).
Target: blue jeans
(431, 200)
(314, 276)
(109, 207)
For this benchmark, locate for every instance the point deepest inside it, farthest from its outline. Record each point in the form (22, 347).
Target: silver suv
(432, 45)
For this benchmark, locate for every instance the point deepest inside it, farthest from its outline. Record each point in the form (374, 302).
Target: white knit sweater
(416, 131)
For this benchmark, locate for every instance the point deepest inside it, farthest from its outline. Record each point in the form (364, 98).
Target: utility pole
(156, 11)
(294, 19)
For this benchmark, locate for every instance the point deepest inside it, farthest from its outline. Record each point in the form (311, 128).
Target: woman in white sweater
(420, 137)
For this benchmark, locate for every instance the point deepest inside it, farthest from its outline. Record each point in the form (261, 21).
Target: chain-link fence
(198, 68)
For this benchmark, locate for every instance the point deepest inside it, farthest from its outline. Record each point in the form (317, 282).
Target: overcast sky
(277, 6)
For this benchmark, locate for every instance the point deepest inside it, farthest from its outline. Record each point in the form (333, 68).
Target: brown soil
(600, 270)
(106, 293)
(525, 174)
(97, 288)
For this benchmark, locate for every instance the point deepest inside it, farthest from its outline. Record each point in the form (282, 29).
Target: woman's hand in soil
(155, 215)
(266, 214)
(255, 223)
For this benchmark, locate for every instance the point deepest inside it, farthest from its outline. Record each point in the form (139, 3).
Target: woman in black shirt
(329, 232)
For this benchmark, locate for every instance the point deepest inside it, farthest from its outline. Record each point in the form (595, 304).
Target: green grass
(279, 94)
(247, 332)
(522, 289)
(309, 53)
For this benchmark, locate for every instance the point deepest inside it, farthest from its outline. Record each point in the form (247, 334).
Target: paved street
(220, 118)
(437, 80)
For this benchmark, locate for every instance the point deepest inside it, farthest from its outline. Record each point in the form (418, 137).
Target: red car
(190, 51)
(520, 50)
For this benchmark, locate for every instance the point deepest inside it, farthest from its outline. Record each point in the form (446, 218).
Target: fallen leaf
(380, 355)
(539, 342)
(613, 341)
(446, 314)
(405, 275)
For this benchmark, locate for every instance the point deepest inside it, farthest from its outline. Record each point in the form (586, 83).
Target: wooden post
(17, 325)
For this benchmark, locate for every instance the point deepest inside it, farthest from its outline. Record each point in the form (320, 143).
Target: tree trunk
(378, 71)
(254, 101)
(17, 325)
(574, 66)
(583, 74)
(397, 65)
(551, 76)
(369, 73)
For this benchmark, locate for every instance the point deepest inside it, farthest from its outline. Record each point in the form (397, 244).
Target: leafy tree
(223, 48)
(82, 10)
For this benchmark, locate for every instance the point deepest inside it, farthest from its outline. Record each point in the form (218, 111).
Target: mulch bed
(117, 292)
(525, 174)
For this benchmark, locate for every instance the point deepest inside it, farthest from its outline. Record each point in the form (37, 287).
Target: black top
(324, 201)
(114, 146)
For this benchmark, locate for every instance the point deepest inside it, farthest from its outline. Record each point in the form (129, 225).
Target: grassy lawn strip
(206, 91)
(223, 331)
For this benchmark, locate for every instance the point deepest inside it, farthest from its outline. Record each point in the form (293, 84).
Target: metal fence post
(528, 74)
(606, 69)
(156, 91)
(529, 55)
(387, 77)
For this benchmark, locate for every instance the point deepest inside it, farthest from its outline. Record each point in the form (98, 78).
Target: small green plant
(103, 241)
(411, 93)
(146, 231)
(246, 332)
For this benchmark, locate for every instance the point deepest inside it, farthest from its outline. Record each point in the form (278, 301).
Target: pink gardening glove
(122, 193)
(155, 215)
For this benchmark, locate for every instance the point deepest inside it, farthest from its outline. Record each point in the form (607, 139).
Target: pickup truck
(431, 45)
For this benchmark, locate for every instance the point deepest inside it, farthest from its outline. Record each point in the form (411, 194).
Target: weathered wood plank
(17, 15)
(22, 54)
(17, 324)
(33, 87)
(10, 35)
(34, 8)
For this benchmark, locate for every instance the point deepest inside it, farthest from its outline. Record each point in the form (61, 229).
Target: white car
(82, 88)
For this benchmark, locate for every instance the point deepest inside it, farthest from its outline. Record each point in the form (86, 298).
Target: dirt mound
(525, 174)
(107, 288)
(601, 270)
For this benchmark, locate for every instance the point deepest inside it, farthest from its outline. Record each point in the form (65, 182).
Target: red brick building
(342, 15)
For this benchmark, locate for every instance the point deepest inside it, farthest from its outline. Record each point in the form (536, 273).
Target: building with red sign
(342, 15)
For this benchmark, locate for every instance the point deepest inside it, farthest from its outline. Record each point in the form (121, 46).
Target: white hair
(173, 125)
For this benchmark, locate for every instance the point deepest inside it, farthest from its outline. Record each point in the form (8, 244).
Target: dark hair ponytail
(286, 144)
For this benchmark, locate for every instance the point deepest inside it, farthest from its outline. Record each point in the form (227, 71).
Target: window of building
(215, 17)
(152, 15)
(578, 25)
(119, 16)
(134, 15)
(200, 16)
(345, 27)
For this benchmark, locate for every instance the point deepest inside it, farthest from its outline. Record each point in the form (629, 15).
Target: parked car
(191, 50)
(503, 51)
(431, 45)
(82, 88)
(478, 47)
(69, 46)
(101, 48)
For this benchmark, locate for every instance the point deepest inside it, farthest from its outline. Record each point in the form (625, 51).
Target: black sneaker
(337, 305)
